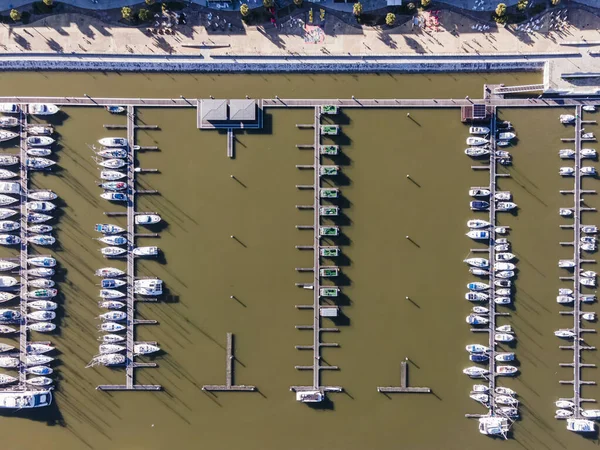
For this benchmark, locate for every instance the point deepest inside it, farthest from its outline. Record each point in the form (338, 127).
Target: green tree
(15, 15)
(522, 4)
(390, 19)
(357, 9)
(425, 3)
(268, 3)
(126, 12)
(48, 2)
(150, 2)
(298, 2)
(500, 10)
(244, 10)
(144, 15)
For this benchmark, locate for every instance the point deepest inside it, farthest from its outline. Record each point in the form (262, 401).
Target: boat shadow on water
(340, 139)
(341, 159)
(54, 119)
(50, 415)
(325, 405)
(341, 118)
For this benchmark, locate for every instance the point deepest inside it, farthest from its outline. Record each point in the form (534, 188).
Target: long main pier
(229, 385)
(24, 254)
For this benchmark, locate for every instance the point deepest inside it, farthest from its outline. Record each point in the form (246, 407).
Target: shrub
(425, 3)
(244, 10)
(126, 12)
(144, 15)
(15, 15)
(500, 10)
(48, 2)
(357, 9)
(522, 4)
(268, 3)
(390, 19)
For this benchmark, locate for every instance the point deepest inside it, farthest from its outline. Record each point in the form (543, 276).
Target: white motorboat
(148, 282)
(476, 141)
(503, 337)
(591, 282)
(25, 399)
(504, 256)
(479, 234)
(6, 379)
(111, 304)
(500, 266)
(38, 218)
(479, 205)
(505, 206)
(588, 240)
(501, 390)
(8, 362)
(43, 109)
(587, 135)
(9, 108)
(145, 251)
(587, 171)
(43, 293)
(114, 196)
(111, 338)
(42, 327)
(502, 143)
(43, 305)
(504, 329)
(506, 136)
(6, 135)
(112, 153)
(476, 152)
(113, 142)
(148, 291)
(8, 160)
(476, 372)
(7, 265)
(588, 298)
(506, 370)
(505, 357)
(109, 272)
(482, 263)
(588, 153)
(480, 310)
(113, 316)
(479, 192)
(115, 109)
(111, 175)
(39, 163)
(6, 281)
(39, 152)
(145, 349)
(589, 229)
(565, 291)
(40, 229)
(37, 360)
(566, 171)
(38, 349)
(591, 413)
(42, 316)
(479, 397)
(564, 299)
(481, 388)
(112, 251)
(147, 219)
(473, 319)
(473, 223)
(566, 153)
(588, 247)
(40, 206)
(110, 283)
(114, 185)
(111, 348)
(42, 239)
(45, 195)
(502, 300)
(113, 240)
(106, 228)
(111, 327)
(479, 130)
(505, 274)
(566, 118)
(9, 225)
(6, 174)
(502, 154)
(109, 359)
(565, 212)
(494, 426)
(476, 296)
(39, 141)
(503, 283)
(565, 404)
(566, 263)
(478, 286)
(41, 272)
(581, 425)
(505, 400)
(111, 293)
(477, 348)
(503, 292)
(42, 261)
(40, 130)
(589, 108)
(564, 333)
(479, 272)
(112, 163)
(563, 413)
(7, 200)
(8, 122)
(39, 381)
(589, 316)
(588, 273)
(503, 196)
(9, 239)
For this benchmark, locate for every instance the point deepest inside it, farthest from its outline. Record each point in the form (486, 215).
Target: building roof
(213, 110)
(242, 109)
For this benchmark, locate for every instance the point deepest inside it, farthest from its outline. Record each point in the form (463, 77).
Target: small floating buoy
(407, 114)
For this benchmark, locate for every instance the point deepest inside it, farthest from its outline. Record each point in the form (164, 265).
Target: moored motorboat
(8, 160)
(566, 171)
(40, 206)
(503, 337)
(479, 130)
(494, 426)
(111, 327)
(581, 425)
(34, 348)
(504, 292)
(43, 109)
(113, 316)
(591, 413)
(565, 212)
(39, 381)
(479, 272)
(111, 175)
(587, 298)
(6, 135)
(109, 272)
(37, 360)
(506, 370)
(8, 122)
(589, 316)
(564, 333)
(564, 404)
(39, 163)
(110, 283)
(42, 261)
(564, 299)
(43, 293)
(505, 274)
(587, 170)
(476, 372)
(111, 304)
(147, 219)
(505, 400)
(500, 266)
(479, 234)
(477, 348)
(39, 151)
(40, 130)
(479, 192)
(479, 358)
(473, 319)
(113, 142)
(502, 300)
(9, 239)
(504, 329)
(8, 362)
(42, 316)
(41, 283)
(505, 206)
(476, 152)
(111, 348)
(41, 327)
(41, 229)
(106, 228)
(39, 141)
(114, 185)
(566, 263)
(114, 196)
(145, 251)
(566, 153)
(589, 153)
(114, 163)
(479, 205)
(6, 281)
(115, 109)
(505, 256)
(7, 265)
(9, 225)
(476, 223)
(113, 240)
(506, 136)
(589, 229)
(505, 357)
(480, 309)
(7, 379)
(503, 196)
(38, 218)
(5, 329)
(479, 397)
(109, 359)
(478, 286)
(6, 174)
(566, 118)
(563, 413)
(111, 338)
(475, 141)
(42, 195)
(145, 349)
(503, 283)
(476, 296)
(591, 282)
(478, 262)
(42, 239)
(112, 153)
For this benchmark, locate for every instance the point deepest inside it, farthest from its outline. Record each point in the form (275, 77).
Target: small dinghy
(43, 305)
(478, 286)
(43, 293)
(145, 251)
(38, 206)
(474, 223)
(566, 118)
(41, 272)
(114, 163)
(9, 239)
(504, 256)
(563, 413)
(42, 261)
(111, 338)
(110, 283)
(505, 357)
(8, 362)
(39, 152)
(45, 195)
(39, 141)
(479, 272)
(111, 327)
(38, 349)
(476, 372)
(113, 240)
(473, 319)
(111, 293)
(587, 171)
(112, 153)
(111, 348)
(112, 251)
(505, 206)
(566, 171)
(476, 152)
(564, 299)
(476, 296)
(8, 122)
(564, 404)
(114, 185)
(111, 304)
(113, 316)
(566, 153)
(42, 327)
(108, 228)
(109, 272)
(503, 337)
(109, 359)
(39, 163)
(479, 397)
(477, 348)
(564, 333)
(9, 225)
(565, 212)
(39, 370)
(479, 234)
(8, 160)
(482, 263)
(38, 218)
(39, 381)
(41, 229)
(113, 109)
(113, 142)
(476, 141)
(111, 175)
(589, 229)
(479, 192)
(43, 109)
(479, 205)
(502, 300)
(42, 239)
(42, 316)
(6, 379)
(5, 174)
(114, 196)
(506, 370)
(37, 360)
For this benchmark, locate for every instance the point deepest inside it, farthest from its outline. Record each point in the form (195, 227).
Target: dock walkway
(24, 246)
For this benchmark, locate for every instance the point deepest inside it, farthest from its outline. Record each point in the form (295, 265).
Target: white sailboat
(111, 175)
(43, 305)
(113, 142)
(145, 349)
(111, 338)
(42, 327)
(473, 141)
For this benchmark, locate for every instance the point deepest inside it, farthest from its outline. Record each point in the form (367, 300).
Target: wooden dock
(230, 140)
(404, 388)
(229, 385)
(24, 254)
